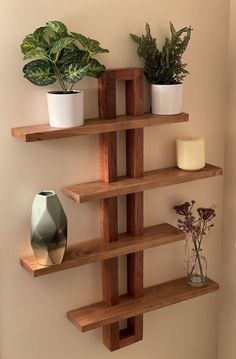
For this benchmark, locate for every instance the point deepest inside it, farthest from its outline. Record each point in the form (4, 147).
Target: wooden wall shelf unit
(111, 245)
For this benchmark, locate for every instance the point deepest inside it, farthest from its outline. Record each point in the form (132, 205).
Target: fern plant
(57, 55)
(164, 66)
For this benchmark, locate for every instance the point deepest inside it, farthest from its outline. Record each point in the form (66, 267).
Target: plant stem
(197, 249)
(197, 259)
(59, 79)
(71, 87)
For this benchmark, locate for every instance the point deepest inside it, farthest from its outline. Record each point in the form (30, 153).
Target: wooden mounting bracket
(114, 338)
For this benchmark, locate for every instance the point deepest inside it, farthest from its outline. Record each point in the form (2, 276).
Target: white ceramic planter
(167, 99)
(66, 110)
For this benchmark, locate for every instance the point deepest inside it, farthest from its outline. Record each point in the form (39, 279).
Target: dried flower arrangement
(196, 229)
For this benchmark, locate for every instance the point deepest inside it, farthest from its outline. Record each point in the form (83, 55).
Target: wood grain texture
(126, 74)
(110, 283)
(109, 206)
(108, 173)
(96, 250)
(111, 336)
(125, 185)
(95, 126)
(107, 95)
(134, 168)
(135, 213)
(134, 94)
(156, 297)
(135, 274)
(108, 156)
(134, 152)
(108, 219)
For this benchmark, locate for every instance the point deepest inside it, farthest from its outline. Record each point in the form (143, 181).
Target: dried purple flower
(207, 214)
(196, 227)
(183, 209)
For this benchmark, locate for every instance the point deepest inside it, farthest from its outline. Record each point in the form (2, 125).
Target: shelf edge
(128, 307)
(153, 236)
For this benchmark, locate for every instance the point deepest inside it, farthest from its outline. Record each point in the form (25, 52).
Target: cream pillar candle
(190, 153)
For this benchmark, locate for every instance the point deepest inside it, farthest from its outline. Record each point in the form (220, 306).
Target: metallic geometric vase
(48, 228)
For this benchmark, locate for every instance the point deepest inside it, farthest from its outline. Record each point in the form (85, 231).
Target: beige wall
(33, 321)
(227, 339)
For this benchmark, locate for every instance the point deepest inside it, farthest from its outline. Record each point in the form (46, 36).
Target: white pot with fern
(166, 99)
(164, 69)
(56, 55)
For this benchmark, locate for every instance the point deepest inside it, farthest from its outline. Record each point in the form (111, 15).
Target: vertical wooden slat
(134, 156)
(107, 95)
(108, 211)
(134, 94)
(134, 152)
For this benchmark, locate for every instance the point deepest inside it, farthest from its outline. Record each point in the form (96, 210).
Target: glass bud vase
(197, 269)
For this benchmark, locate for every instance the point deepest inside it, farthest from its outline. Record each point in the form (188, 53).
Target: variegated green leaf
(90, 45)
(52, 37)
(37, 53)
(58, 27)
(39, 35)
(74, 72)
(29, 43)
(95, 69)
(61, 44)
(39, 72)
(73, 54)
(34, 40)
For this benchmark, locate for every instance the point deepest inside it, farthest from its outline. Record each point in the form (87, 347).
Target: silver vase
(48, 228)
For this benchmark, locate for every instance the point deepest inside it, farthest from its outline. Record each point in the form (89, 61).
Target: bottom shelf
(159, 296)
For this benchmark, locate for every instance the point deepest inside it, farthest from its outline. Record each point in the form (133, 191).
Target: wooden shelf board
(156, 297)
(126, 185)
(95, 126)
(97, 250)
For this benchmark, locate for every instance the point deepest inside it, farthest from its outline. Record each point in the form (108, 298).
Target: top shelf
(95, 126)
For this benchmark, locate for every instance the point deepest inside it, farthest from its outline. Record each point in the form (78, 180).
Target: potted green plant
(164, 68)
(55, 55)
